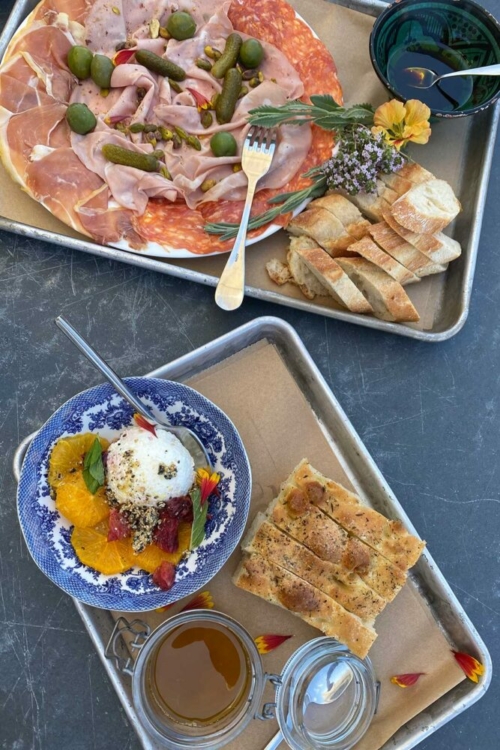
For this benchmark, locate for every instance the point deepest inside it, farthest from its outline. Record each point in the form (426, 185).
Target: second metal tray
(365, 476)
(473, 162)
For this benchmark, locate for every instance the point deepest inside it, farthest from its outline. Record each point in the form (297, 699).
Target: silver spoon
(425, 78)
(187, 437)
(326, 687)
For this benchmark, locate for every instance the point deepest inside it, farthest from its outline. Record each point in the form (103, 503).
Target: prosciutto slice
(76, 10)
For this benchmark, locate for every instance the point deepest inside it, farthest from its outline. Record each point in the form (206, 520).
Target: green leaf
(199, 518)
(93, 467)
(325, 101)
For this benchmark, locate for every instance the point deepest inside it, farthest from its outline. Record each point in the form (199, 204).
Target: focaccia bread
(350, 558)
(352, 593)
(390, 538)
(277, 586)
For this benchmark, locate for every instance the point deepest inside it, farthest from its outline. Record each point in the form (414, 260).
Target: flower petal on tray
(267, 643)
(471, 666)
(406, 680)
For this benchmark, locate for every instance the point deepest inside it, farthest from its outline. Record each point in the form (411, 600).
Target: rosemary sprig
(323, 111)
(288, 202)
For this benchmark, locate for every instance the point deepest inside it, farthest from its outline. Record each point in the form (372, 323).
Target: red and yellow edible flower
(406, 680)
(471, 666)
(207, 481)
(267, 643)
(142, 422)
(401, 123)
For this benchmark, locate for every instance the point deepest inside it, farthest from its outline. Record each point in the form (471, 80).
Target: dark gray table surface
(428, 414)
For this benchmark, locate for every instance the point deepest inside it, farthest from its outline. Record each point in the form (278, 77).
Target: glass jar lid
(326, 697)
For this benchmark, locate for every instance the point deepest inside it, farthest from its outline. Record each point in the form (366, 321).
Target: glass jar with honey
(198, 681)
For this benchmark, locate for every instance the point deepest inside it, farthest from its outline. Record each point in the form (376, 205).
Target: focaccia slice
(267, 540)
(349, 557)
(389, 538)
(276, 585)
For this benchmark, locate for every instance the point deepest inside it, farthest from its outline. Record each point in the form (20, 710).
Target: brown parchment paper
(278, 428)
(345, 32)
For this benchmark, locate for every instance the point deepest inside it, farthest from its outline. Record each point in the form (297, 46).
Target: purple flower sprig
(361, 156)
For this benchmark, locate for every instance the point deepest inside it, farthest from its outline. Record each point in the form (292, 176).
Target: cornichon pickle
(128, 158)
(228, 58)
(181, 25)
(101, 70)
(80, 119)
(228, 97)
(159, 65)
(79, 61)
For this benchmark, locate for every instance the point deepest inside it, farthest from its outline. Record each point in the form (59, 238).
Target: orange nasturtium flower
(472, 667)
(406, 680)
(207, 482)
(401, 123)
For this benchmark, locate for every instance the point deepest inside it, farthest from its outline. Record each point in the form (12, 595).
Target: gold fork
(258, 152)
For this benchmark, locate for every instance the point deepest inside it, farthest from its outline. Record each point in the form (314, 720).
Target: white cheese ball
(142, 469)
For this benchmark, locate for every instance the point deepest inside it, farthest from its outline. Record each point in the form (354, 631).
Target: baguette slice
(323, 227)
(267, 540)
(405, 253)
(387, 297)
(278, 271)
(345, 211)
(307, 282)
(389, 538)
(350, 558)
(329, 273)
(427, 208)
(277, 586)
(372, 205)
(371, 251)
(406, 177)
(437, 247)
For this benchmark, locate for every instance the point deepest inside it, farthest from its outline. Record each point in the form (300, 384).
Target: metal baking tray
(364, 473)
(454, 303)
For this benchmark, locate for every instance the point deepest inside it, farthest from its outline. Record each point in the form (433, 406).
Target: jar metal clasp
(268, 710)
(116, 646)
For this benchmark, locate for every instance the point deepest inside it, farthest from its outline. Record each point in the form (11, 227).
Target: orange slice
(68, 453)
(94, 550)
(153, 556)
(78, 504)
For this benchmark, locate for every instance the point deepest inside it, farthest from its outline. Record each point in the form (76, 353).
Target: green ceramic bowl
(454, 34)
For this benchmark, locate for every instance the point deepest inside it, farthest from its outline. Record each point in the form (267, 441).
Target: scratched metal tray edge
(431, 583)
(461, 302)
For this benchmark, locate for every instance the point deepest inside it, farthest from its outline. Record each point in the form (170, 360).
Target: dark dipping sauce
(447, 95)
(201, 673)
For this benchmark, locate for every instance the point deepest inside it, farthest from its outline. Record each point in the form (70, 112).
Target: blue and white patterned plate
(103, 411)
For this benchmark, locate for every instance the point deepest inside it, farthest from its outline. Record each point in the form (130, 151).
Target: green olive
(80, 119)
(101, 70)
(181, 25)
(251, 53)
(79, 61)
(223, 144)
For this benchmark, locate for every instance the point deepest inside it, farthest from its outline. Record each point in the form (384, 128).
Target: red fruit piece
(166, 535)
(180, 508)
(118, 526)
(164, 576)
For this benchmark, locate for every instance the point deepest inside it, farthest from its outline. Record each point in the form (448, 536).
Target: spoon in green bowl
(424, 78)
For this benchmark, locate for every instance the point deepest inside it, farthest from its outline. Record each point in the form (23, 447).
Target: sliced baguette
(308, 283)
(403, 251)
(329, 273)
(372, 205)
(386, 296)
(426, 208)
(323, 227)
(368, 249)
(345, 211)
(406, 177)
(276, 585)
(437, 247)
(273, 544)
(278, 271)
